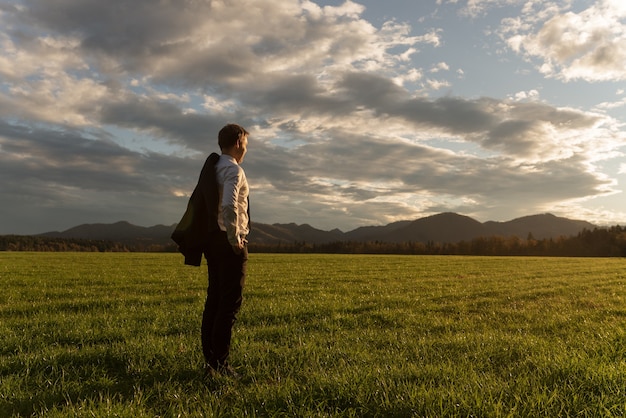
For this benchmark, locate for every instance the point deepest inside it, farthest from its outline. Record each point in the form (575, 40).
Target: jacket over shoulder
(193, 232)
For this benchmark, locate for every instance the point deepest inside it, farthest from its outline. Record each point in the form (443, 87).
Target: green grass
(112, 334)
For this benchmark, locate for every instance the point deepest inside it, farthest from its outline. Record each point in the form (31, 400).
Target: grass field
(112, 334)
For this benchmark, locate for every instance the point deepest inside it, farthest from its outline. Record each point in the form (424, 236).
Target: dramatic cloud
(589, 44)
(108, 109)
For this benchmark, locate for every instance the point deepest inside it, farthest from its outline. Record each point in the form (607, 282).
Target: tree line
(599, 242)
(40, 243)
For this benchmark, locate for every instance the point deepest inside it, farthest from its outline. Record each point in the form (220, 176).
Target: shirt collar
(230, 158)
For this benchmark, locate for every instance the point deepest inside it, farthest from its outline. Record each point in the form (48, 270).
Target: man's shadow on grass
(99, 375)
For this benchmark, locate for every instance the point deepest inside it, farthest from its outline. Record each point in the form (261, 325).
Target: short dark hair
(229, 135)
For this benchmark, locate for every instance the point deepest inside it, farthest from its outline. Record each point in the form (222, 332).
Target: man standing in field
(227, 252)
(216, 224)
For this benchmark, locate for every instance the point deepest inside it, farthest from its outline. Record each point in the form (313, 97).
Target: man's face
(242, 148)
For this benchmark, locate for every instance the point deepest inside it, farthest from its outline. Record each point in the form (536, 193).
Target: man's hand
(238, 249)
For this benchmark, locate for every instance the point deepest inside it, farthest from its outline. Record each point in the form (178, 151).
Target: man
(216, 224)
(227, 252)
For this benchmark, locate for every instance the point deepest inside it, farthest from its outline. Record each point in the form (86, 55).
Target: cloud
(295, 51)
(441, 66)
(476, 8)
(204, 44)
(587, 45)
(523, 95)
(109, 109)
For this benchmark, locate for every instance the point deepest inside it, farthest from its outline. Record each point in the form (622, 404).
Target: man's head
(233, 141)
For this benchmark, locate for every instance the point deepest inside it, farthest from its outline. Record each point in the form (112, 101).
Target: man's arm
(232, 186)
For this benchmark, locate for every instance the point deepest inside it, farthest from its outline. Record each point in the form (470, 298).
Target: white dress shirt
(232, 213)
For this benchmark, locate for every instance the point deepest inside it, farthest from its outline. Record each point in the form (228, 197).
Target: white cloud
(588, 45)
(526, 95)
(476, 8)
(441, 66)
(611, 105)
(437, 84)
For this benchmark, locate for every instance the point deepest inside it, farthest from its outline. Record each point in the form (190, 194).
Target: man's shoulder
(228, 162)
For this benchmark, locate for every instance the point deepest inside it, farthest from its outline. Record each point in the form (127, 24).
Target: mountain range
(444, 227)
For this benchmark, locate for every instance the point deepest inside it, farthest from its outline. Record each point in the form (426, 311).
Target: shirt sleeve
(232, 184)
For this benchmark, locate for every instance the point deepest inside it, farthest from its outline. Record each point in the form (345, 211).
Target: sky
(360, 112)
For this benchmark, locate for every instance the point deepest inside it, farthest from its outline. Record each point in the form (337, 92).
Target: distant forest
(599, 242)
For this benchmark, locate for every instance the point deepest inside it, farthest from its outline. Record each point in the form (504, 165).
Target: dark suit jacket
(193, 232)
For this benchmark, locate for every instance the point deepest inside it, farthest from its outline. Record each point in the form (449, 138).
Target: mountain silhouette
(442, 228)
(121, 231)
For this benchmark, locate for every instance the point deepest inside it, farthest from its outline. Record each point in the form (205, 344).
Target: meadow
(117, 334)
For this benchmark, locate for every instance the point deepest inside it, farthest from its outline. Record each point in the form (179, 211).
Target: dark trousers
(227, 274)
